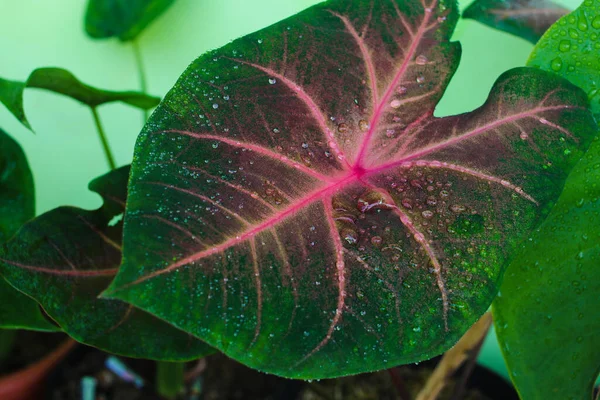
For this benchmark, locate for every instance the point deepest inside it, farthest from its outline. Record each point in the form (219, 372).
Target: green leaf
(306, 213)
(547, 315)
(528, 19)
(66, 257)
(17, 206)
(571, 49)
(60, 81)
(125, 19)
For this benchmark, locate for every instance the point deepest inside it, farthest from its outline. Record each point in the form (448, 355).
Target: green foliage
(17, 206)
(68, 256)
(344, 229)
(547, 314)
(60, 81)
(571, 49)
(125, 19)
(528, 19)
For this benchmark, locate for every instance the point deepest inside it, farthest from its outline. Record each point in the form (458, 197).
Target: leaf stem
(455, 357)
(141, 71)
(7, 338)
(169, 378)
(107, 152)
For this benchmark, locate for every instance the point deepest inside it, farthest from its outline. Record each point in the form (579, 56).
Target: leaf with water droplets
(528, 19)
(571, 49)
(547, 316)
(125, 19)
(67, 256)
(61, 81)
(17, 206)
(247, 238)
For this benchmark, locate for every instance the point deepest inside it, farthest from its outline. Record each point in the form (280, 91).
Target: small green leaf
(547, 315)
(528, 19)
(66, 257)
(61, 81)
(125, 19)
(17, 206)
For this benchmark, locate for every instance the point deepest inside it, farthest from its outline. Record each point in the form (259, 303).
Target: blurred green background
(65, 153)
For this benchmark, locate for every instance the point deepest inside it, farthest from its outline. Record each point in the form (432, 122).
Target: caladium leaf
(17, 206)
(528, 19)
(125, 19)
(67, 256)
(294, 202)
(551, 291)
(61, 81)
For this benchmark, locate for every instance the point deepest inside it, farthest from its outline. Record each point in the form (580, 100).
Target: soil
(218, 378)
(28, 348)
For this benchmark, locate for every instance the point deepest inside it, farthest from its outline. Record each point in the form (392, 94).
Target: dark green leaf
(295, 203)
(66, 257)
(547, 315)
(17, 206)
(60, 81)
(528, 19)
(125, 19)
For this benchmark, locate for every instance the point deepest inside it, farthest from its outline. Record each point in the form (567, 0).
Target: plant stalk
(455, 357)
(107, 152)
(141, 72)
(169, 378)
(7, 338)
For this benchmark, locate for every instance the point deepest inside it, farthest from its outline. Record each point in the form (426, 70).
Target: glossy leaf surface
(295, 203)
(547, 317)
(528, 19)
(17, 206)
(125, 19)
(61, 81)
(571, 49)
(67, 256)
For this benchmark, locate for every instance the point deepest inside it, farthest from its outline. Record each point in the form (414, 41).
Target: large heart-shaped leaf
(67, 256)
(61, 81)
(528, 19)
(295, 203)
(125, 19)
(551, 291)
(17, 206)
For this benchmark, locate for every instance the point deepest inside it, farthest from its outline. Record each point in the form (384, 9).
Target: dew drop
(342, 128)
(427, 214)
(215, 145)
(457, 208)
(272, 81)
(350, 236)
(564, 46)
(395, 103)
(524, 135)
(374, 200)
(215, 106)
(376, 240)
(582, 24)
(420, 79)
(573, 33)
(390, 133)
(407, 203)
(556, 64)
(259, 41)
(421, 60)
(363, 125)
(596, 22)
(401, 90)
